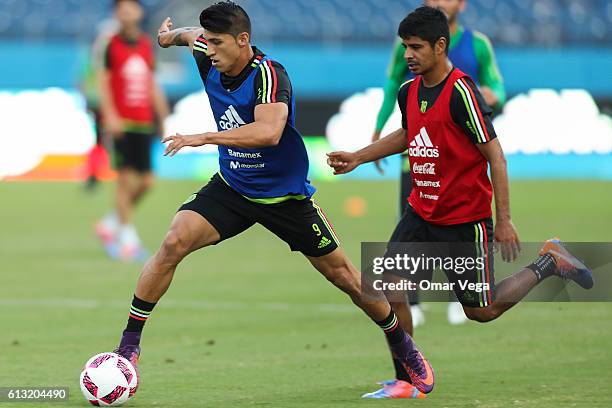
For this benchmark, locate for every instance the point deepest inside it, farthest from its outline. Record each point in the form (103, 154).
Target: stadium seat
(508, 22)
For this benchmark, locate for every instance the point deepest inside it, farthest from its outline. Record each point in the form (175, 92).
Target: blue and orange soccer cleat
(568, 266)
(387, 382)
(127, 253)
(104, 232)
(396, 389)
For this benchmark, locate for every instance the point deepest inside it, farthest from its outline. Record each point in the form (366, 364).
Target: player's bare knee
(174, 248)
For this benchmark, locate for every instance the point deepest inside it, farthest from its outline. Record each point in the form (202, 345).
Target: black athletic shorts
(133, 151)
(470, 240)
(300, 223)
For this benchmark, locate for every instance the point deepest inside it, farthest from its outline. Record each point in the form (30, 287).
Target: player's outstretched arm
(345, 162)
(184, 36)
(265, 131)
(505, 233)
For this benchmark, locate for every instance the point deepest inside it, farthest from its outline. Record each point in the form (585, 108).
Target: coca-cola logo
(425, 168)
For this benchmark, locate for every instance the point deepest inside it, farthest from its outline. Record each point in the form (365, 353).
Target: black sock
(139, 313)
(400, 371)
(543, 267)
(394, 333)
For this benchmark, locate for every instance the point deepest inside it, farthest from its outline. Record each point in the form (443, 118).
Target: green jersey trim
(271, 200)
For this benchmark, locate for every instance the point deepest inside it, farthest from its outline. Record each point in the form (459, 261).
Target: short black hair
(427, 23)
(225, 17)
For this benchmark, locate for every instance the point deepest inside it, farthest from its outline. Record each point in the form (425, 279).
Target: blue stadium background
(331, 49)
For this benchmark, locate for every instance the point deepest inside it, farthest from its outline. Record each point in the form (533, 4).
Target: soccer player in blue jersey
(262, 179)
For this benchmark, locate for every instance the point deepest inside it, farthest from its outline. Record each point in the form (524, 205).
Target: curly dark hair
(427, 23)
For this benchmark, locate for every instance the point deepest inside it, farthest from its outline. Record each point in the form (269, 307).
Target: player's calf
(484, 314)
(338, 270)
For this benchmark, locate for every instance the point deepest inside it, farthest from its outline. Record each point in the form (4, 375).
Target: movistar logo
(421, 146)
(231, 119)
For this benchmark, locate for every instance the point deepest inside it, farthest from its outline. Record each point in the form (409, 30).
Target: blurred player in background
(130, 102)
(97, 158)
(447, 130)
(472, 53)
(262, 179)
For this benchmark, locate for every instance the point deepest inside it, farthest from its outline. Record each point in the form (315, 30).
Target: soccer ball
(108, 380)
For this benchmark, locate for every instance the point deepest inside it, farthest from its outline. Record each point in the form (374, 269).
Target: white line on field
(180, 304)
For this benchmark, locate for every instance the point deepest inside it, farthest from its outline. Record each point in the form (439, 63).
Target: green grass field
(247, 323)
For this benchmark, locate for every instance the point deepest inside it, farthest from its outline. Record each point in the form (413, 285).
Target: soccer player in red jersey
(130, 103)
(471, 52)
(447, 130)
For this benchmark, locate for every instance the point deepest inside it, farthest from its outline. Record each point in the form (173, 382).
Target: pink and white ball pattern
(108, 380)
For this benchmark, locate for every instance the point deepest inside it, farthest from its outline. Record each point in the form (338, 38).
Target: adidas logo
(421, 146)
(469, 296)
(231, 119)
(324, 242)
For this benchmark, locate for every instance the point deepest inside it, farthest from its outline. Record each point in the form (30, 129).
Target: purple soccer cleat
(418, 368)
(129, 348)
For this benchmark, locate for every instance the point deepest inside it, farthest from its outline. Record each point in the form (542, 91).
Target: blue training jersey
(463, 55)
(272, 172)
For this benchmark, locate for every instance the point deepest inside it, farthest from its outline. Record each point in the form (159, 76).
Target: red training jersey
(131, 76)
(449, 174)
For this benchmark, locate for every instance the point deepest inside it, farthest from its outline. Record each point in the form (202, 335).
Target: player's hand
(178, 141)
(164, 28)
(113, 125)
(342, 162)
(507, 240)
(489, 96)
(378, 163)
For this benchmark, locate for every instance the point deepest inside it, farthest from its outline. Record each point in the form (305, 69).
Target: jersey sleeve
(488, 71)
(402, 97)
(200, 49)
(396, 72)
(470, 112)
(272, 83)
